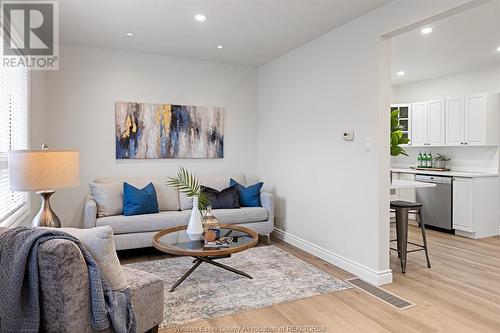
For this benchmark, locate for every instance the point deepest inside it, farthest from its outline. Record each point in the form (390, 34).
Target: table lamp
(44, 171)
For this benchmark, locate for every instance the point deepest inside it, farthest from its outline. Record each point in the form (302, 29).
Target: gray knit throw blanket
(19, 288)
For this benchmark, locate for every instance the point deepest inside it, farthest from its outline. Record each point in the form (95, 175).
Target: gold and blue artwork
(155, 131)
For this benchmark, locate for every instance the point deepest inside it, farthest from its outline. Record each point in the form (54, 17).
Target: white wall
(332, 196)
(478, 80)
(77, 108)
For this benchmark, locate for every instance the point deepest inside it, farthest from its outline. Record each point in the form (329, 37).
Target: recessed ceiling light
(130, 34)
(200, 17)
(220, 47)
(400, 73)
(426, 31)
(498, 49)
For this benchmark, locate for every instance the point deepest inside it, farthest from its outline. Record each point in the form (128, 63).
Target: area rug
(210, 291)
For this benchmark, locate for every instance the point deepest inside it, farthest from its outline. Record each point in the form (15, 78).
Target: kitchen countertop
(401, 183)
(465, 174)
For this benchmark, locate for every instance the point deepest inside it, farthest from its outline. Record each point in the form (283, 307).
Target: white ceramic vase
(195, 227)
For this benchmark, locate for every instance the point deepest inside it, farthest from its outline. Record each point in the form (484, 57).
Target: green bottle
(429, 160)
(419, 159)
(424, 160)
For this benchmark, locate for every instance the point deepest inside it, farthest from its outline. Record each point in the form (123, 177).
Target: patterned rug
(210, 291)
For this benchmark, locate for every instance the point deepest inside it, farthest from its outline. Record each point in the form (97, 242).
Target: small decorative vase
(209, 221)
(211, 226)
(195, 228)
(441, 164)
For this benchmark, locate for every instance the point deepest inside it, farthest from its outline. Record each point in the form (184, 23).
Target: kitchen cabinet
(404, 119)
(428, 123)
(475, 207)
(462, 204)
(435, 123)
(455, 118)
(418, 124)
(470, 120)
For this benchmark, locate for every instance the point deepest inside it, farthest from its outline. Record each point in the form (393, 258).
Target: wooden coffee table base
(209, 260)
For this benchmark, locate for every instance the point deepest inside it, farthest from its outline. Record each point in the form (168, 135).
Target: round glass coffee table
(176, 241)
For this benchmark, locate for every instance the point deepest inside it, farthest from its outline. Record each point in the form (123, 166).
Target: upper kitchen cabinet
(418, 124)
(472, 120)
(404, 118)
(455, 118)
(435, 123)
(427, 123)
(481, 118)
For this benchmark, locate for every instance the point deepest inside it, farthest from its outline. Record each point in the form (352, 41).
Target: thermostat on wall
(348, 135)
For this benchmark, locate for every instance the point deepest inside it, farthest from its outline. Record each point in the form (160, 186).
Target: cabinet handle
(465, 143)
(461, 143)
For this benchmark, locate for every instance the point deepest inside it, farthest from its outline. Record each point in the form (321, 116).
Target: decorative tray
(430, 169)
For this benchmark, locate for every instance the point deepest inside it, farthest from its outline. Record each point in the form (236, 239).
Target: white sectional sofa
(137, 231)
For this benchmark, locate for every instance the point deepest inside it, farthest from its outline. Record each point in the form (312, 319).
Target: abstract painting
(154, 131)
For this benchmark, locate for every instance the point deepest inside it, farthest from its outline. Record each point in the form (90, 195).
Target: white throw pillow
(108, 197)
(99, 242)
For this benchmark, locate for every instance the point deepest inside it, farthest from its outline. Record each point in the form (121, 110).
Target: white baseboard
(377, 278)
(499, 229)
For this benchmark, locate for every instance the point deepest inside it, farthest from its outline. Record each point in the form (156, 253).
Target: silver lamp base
(46, 216)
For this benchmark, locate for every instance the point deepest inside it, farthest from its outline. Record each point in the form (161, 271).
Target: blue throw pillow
(136, 201)
(250, 195)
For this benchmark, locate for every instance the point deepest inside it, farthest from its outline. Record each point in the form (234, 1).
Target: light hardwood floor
(460, 293)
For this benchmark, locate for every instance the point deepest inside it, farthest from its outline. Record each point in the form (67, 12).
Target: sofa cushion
(249, 195)
(238, 215)
(168, 197)
(216, 182)
(139, 201)
(108, 198)
(143, 223)
(99, 242)
(147, 298)
(225, 199)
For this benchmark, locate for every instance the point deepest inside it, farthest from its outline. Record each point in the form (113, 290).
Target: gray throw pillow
(99, 242)
(108, 197)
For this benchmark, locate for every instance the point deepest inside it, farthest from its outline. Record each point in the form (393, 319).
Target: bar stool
(402, 209)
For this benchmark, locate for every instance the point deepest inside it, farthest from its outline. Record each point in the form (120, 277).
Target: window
(14, 103)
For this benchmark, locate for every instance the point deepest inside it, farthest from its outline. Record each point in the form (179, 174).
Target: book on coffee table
(219, 243)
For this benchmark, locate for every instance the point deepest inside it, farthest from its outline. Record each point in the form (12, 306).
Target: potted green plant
(397, 138)
(441, 160)
(189, 184)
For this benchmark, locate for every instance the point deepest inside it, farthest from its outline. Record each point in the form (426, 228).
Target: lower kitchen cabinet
(475, 207)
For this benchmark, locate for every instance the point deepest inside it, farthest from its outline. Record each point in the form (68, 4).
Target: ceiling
(252, 32)
(457, 43)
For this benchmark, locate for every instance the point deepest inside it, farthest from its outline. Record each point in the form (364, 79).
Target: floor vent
(381, 294)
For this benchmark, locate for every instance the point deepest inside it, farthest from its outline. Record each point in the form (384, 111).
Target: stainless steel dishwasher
(436, 201)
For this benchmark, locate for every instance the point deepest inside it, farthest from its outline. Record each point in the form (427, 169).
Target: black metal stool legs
(402, 209)
(402, 236)
(424, 238)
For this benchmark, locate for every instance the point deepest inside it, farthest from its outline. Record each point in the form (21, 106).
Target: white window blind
(14, 103)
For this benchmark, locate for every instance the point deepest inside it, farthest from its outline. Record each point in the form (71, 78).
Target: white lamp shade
(43, 170)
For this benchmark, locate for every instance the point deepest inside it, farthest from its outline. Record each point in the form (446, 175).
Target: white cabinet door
(435, 123)
(419, 124)
(462, 204)
(455, 121)
(475, 119)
